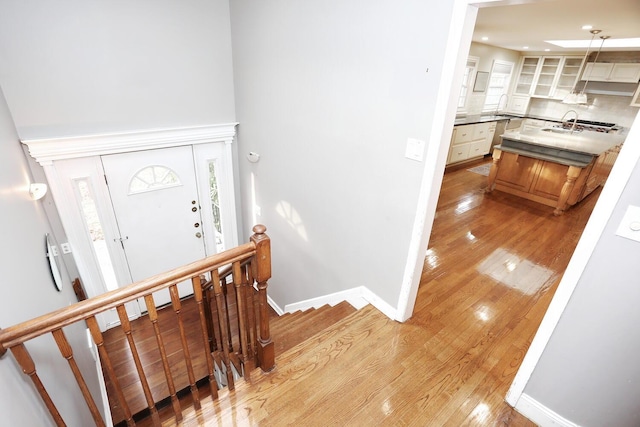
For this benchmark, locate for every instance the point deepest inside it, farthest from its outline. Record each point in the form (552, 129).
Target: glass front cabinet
(547, 76)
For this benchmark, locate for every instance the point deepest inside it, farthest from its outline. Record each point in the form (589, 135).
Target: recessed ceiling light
(587, 27)
(525, 47)
(485, 38)
(583, 44)
(547, 50)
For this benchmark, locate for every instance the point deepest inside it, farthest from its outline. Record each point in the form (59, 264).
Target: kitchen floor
(493, 265)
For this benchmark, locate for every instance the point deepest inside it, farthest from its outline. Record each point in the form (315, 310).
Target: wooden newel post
(262, 273)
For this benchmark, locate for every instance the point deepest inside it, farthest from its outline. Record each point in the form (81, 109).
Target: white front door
(157, 208)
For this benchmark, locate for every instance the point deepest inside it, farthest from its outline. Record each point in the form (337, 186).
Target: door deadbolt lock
(196, 225)
(198, 235)
(194, 209)
(193, 202)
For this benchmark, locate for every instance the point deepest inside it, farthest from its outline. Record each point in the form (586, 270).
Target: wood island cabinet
(548, 181)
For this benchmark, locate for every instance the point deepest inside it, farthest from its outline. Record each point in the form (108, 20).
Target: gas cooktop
(592, 123)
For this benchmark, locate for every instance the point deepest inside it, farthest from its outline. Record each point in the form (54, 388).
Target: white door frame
(48, 152)
(457, 47)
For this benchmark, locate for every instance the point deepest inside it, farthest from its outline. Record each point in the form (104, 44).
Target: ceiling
(518, 25)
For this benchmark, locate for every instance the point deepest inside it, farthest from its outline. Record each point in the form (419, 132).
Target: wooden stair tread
(287, 334)
(318, 365)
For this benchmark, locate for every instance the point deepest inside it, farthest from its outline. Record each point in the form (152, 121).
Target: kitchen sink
(560, 130)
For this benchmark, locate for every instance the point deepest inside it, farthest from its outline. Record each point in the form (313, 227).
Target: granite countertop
(591, 143)
(483, 118)
(478, 118)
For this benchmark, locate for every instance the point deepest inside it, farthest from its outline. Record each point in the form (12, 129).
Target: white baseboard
(357, 297)
(379, 303)
(275, 306)
(540, 414)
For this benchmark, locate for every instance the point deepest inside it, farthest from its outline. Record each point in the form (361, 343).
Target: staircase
(295, 336)
(291, 329)
(169, 350)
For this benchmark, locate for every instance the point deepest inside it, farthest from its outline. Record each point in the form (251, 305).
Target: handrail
(82, 310)
(250, 267)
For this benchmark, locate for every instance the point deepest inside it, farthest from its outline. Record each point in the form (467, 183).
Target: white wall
(71, 68)
(328, 93)
(588, 373)
(487, 55)
(28, 291)
(74, 67)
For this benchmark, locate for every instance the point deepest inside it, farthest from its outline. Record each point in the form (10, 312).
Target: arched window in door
(153, 178)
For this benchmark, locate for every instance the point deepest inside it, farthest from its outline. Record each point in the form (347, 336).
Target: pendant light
(582, 97)
(572, 97)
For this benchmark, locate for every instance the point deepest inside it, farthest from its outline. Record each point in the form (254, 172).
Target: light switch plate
(415, 149)
(630, 225)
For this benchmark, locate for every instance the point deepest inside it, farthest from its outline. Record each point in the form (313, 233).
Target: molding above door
(46, 150)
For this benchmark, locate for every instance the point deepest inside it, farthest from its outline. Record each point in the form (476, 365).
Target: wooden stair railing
(250, 268)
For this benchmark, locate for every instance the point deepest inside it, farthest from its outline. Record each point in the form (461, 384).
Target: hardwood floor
(493, 265)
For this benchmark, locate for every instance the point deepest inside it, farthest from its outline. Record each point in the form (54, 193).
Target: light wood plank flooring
(492, 268)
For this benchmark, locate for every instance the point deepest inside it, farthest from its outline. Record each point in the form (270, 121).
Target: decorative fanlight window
(153, 178)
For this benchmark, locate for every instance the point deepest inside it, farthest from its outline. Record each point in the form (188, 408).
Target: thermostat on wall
(253, 157)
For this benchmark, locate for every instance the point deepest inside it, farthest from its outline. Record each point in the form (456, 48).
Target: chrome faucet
(575, 120)
(500, 100)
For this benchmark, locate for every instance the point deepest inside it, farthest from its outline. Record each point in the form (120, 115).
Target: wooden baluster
(262, 273)
(67, 353)
(223, 318)
(251, 310)
(23, 357)
(197, 296)
(225, 294)
(2, 349)
(104, 357)
(210, 327)
(126, 327)
(217, 326)
(177, 308)
(153, 318)
(238, 281)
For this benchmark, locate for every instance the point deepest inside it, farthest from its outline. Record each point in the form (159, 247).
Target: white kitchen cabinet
(518, 104)
(569, 73)
(617, 72)
(547, 76)
(527, 75)
(471, 141)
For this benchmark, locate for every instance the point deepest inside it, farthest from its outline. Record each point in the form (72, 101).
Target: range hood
(608, 88)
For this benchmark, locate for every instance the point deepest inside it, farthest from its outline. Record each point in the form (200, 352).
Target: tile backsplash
(601, 108)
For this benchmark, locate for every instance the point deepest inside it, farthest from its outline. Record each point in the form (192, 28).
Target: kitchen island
(553, 166)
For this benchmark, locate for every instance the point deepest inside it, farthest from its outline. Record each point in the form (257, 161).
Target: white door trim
(457, 48)
(458, 43)
(46, 150)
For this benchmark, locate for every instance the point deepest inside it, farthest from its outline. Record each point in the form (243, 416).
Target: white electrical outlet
(630, 225)
(66, 248)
